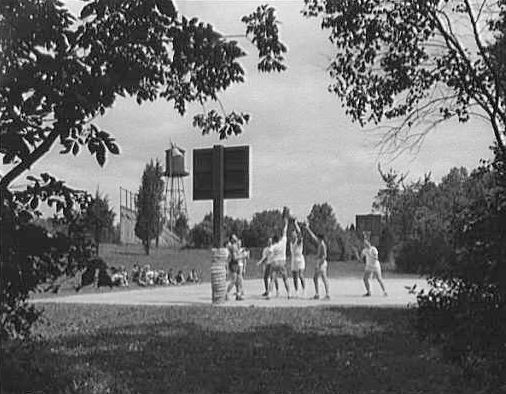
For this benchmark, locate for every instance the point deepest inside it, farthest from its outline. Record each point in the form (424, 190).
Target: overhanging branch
(28, 162)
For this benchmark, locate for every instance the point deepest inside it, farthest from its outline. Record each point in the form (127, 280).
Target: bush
(465, 309)
(32, 258)
(424, 256)
(468, 321)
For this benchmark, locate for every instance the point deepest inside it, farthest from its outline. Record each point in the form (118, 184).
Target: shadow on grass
(229, 350)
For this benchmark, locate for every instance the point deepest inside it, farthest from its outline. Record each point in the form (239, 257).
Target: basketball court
(344, 292)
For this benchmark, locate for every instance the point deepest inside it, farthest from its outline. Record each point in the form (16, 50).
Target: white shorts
(298, 264)
(373, 270)
(321, 268)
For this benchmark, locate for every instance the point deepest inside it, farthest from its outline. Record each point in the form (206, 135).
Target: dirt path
(344, 292)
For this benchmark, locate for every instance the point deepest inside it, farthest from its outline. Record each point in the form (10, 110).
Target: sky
(304, 149)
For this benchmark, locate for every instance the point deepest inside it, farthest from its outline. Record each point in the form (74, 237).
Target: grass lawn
(127, 349)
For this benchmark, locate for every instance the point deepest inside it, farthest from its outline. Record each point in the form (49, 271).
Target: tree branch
(28, 162)
(488, 98)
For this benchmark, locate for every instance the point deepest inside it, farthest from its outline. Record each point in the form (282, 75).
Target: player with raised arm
(298, 263)
(278, 265)
(266, 261)
(321, 268)
(372, 267)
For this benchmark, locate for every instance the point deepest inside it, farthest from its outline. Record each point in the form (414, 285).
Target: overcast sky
(304, 149)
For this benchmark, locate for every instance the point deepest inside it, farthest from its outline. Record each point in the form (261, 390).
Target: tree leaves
(261, 25)
(59, 77)
(409, 61)
(149, 219)
(225, 125)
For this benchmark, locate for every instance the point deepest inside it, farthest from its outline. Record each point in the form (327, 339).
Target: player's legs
(284, 275)
(232, 283)
(302, 281)
(379, 278)
(273, 278)
(367, 275)
(315, 279)
(295, 275)
(239, 284)
(267, 274)
(325, 281)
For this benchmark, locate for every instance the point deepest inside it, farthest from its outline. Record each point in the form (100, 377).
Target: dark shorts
(278, 269)
(233, 266)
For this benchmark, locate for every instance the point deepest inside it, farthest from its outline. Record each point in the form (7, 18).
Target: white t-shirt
(371, 258)
(241, 256)
(267, 255)
(296, 250)
(279, 250)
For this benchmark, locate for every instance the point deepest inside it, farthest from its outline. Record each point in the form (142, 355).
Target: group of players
(274, 262)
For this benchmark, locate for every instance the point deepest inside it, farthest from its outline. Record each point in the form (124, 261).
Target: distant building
(370, 224)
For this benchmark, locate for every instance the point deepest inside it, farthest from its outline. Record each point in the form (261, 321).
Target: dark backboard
(236, 173)
(203, 174)
(236, 166)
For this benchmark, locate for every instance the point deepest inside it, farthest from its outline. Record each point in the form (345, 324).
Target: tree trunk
(146, 245)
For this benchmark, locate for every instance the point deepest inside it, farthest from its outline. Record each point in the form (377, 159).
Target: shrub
(465, 309)
(31, 258)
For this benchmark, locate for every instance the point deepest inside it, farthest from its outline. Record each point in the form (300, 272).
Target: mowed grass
(123, 349)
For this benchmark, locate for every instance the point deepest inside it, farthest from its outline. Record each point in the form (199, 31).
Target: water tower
(175, 171)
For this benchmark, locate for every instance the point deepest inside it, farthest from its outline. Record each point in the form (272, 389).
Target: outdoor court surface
(344, 292)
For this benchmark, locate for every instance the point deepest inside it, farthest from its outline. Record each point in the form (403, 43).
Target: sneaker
(239, 298)
(385, 294)
(367, 294)
(316, 297)
(327, 297)
(265, 294)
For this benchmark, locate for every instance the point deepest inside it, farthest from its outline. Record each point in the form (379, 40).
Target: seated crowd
(146, 276)
(99, 274)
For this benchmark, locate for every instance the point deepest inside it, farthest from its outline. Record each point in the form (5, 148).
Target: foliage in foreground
(465, 309)
(31, 258)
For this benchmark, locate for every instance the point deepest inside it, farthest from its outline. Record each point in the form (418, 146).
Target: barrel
(219, 274)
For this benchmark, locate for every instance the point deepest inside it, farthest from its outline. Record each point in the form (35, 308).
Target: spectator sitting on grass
(119, 276)
(136, 272)
(171, 278)
(196, 276)
(103, 278)
(161, 278)
(180, 278)
(149, 275)
(146, 276)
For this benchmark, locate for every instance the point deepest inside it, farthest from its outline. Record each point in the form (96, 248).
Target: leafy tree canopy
(420, 62)
(59, 73)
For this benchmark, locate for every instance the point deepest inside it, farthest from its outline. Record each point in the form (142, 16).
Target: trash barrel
(219, 274)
